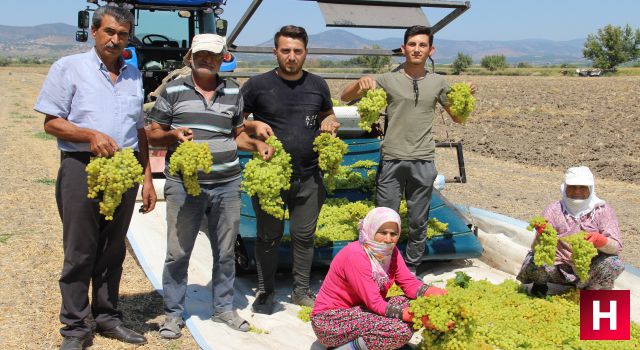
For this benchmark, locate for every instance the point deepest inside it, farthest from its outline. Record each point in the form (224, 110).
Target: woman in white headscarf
(351, 309)
(578, 210)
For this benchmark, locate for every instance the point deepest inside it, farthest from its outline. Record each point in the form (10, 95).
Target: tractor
(162, 34)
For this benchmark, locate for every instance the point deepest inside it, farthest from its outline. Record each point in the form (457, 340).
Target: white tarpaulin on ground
(504, 240)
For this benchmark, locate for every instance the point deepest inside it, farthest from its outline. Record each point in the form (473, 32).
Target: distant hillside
(46, 40)
(58, 39)
(540, 51)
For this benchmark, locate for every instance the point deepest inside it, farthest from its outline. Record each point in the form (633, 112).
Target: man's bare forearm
(161, 136)
(65, 130)
(143, 146)
(350, 93)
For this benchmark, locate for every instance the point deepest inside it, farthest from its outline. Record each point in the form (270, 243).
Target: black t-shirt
(291, 109)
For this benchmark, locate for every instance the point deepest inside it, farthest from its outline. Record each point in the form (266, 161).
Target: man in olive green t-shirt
(408, 149)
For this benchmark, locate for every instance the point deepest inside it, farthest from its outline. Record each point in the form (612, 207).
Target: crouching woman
(351, 309)
(578, 210)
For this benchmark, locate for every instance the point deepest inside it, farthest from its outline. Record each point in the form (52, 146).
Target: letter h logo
(605, 314)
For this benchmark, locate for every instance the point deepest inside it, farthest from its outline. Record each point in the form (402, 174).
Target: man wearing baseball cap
(578, 210)
(202, 107)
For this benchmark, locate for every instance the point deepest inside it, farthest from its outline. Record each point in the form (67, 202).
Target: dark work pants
(94, 250)
(304, 200)
(414, 178)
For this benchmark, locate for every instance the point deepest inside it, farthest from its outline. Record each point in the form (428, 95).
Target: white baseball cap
(209, 42)
(580, 175)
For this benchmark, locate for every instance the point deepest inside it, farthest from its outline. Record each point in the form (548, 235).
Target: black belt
(85, 157)
(305, 177)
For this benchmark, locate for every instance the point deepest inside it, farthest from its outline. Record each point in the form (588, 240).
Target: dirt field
(526, 131)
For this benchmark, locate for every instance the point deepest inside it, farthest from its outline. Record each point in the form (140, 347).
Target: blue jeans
(220, 204)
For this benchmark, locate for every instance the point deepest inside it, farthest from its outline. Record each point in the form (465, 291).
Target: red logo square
(605, 314)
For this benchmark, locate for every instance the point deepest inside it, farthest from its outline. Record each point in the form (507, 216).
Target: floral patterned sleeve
(553, 213)
(608, 225)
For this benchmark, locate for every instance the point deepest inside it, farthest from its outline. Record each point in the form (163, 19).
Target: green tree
(612, 46)
(494, 62)
(4, 61)
(461, 63)
(374, 64)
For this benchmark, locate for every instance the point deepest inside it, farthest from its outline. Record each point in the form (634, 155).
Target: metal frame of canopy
(380, 14)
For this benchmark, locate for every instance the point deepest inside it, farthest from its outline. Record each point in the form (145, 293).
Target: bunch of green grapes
(363, 164)
(369, 108)
(331, 151)
(256, 330)
(267, 179)
(436, 227)
(462, 100)
(189, 158)
(305, 313)
(582, 251)
(504, 317)
(113, 176)
(394, 291)
(336, 102)
(347, 178)
(338, 220)
(441, 310)
(544, 252)
(403, 211)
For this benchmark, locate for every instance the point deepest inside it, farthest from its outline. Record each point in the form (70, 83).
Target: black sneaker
(539, 290)
(264, 303)
(73, 343)
(91, 322)
(303, 298)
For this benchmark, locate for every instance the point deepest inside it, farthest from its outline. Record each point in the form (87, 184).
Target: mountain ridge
(55, 40)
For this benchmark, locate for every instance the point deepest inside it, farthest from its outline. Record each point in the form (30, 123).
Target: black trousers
(304, 200)
(94, 249)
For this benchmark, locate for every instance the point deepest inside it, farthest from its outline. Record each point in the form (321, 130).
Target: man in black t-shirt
(295, 106)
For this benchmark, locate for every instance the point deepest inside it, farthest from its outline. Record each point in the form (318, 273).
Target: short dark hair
(417, 30)
(293, 32)
(121, 15)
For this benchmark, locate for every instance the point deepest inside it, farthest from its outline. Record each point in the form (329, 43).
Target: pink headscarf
(379, 252)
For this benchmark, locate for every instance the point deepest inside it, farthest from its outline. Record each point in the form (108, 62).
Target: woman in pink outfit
(351, 309)
(578, 210)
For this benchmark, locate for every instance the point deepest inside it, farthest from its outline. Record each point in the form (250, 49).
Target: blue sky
(486, 20)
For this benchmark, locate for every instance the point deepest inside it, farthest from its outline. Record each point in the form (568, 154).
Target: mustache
(111, 45)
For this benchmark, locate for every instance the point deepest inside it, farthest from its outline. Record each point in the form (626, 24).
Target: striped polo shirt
(181, 105)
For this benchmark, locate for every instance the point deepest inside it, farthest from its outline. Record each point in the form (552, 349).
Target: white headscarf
(580, 176)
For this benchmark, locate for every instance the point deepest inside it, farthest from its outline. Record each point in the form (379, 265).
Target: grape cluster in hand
(189, 158)
(268, 178)
(544, 252)
(462, 100)
(369, 107)
(582, 251)
(331, 151)
(113, 177)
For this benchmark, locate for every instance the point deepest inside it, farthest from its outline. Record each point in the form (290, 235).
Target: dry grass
(31, 234)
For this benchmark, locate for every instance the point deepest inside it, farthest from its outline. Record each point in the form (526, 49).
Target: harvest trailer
(156, 53)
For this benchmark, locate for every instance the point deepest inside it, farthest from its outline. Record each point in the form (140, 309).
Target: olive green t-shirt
(408, 135)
